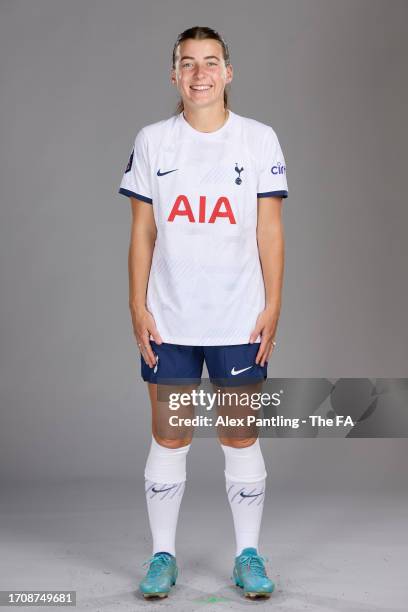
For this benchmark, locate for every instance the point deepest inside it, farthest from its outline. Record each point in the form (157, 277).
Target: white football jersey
(205, 286)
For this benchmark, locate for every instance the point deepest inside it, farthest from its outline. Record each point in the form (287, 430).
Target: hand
(266, 324)
(143, 326)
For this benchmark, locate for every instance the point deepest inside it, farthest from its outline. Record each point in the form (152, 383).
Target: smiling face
(200, 73)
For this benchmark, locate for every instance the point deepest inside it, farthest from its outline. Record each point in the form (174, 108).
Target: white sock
(246, 501)
(245, 476)
(163, 505)
(165, 476)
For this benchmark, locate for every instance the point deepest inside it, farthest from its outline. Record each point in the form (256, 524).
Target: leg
(165, 476)
(244, 465)
(245, 472)
(165, 471)
(245, 478)
(245, 483)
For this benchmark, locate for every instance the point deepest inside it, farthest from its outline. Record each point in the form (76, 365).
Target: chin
(203, 103)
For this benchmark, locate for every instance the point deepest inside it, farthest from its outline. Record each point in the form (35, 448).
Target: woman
(205, 279)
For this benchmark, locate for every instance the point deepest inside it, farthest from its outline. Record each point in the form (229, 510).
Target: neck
(206, 119)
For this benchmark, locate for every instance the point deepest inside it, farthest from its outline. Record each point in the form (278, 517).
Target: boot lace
(254, 564)
(156, 564)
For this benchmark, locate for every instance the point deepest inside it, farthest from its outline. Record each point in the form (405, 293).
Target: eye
(213, 63)
(186, 64)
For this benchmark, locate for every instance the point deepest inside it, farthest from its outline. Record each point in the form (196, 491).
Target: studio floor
(345, 552)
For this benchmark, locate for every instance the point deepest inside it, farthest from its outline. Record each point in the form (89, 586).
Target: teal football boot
(161, 575)
(249, 574)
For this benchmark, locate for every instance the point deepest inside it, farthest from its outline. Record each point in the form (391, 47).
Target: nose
(199, 71)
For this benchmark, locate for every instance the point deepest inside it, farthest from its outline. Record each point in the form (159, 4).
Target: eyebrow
(207, 57)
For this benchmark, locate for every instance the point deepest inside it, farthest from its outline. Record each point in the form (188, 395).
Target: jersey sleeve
(136, 178)
(272, 168)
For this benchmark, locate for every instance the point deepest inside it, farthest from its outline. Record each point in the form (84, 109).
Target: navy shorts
(227, 365)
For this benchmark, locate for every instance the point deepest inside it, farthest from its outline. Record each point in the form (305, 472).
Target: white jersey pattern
(205, 286)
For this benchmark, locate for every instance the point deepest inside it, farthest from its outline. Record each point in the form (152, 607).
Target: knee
(237, 442)
(172, 443)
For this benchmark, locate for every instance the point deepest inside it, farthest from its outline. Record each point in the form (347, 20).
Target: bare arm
(270, 238)
(142, 241)
(271, 249)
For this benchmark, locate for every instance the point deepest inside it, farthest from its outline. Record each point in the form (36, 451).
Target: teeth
(200, 87)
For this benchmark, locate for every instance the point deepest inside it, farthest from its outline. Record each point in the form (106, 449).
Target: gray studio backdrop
(78, 80)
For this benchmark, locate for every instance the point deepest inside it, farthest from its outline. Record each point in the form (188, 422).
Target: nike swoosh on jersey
(163, 490)
(254, 495)
(163, 173)
(234, 372)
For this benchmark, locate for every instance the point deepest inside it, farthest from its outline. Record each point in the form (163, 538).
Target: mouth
(200, 87)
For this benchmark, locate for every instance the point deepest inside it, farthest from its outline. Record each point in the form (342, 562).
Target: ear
(230, 73)
(173, 77)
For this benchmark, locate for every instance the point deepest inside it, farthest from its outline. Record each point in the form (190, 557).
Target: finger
(271, 349)
(156, 336)
(267, 349)
(150, 357)
(142, 350)
(254, 335)
(261, 352)
(266, 356)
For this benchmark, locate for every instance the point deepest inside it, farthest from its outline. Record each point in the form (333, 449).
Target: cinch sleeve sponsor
(272, 169)
(136, 182)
